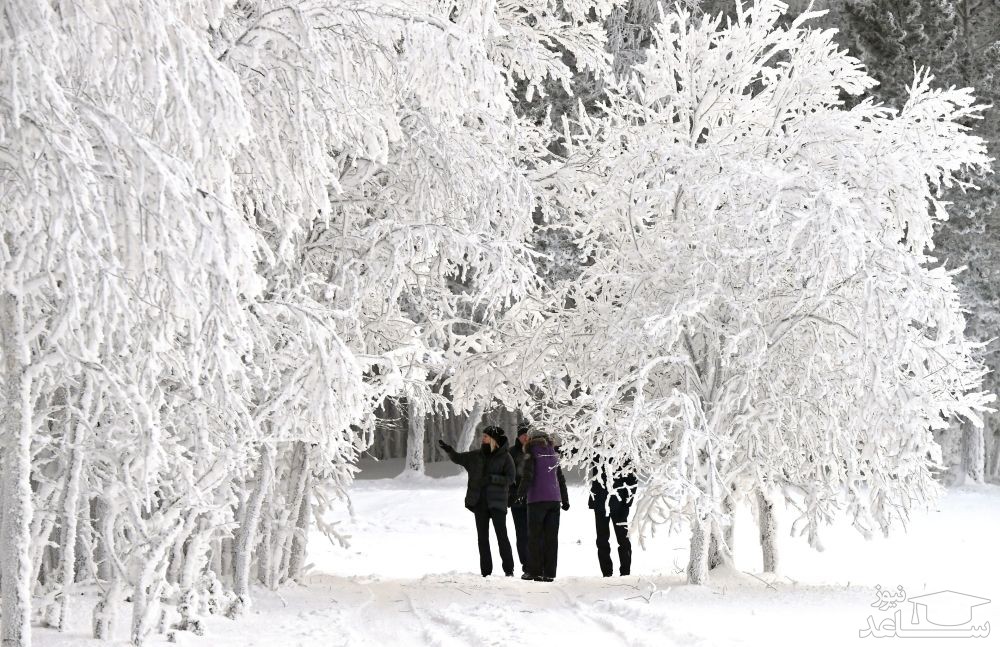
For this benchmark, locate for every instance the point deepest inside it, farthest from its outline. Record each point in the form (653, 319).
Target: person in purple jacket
(544, 489)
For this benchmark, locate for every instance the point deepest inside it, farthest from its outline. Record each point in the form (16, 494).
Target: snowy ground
(410, 577)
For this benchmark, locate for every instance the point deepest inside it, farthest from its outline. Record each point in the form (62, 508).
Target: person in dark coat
(612, 508)
(518, 504)
(491, 472)
(544, 488)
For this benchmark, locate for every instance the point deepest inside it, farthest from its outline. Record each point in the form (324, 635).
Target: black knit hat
(523, 428)
(497, 434)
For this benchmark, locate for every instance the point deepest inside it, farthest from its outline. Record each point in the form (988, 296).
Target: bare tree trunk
(697, 569)
(415, 438)
(973, 453)
(71, 509)
(455, 428)
(246, 539)
(385, 437)
(994, 467)
(265, 550)
(196, 556)
(98, 512)
(46, 501)
(471, 423)
(720, 549)
(146, 594)
(400, 431)
(300, 542)
(86, 546)
(768, 532)
(222, 559)
(300, 537)
(106, 610)
(15, 487)
(395, 422)
(48, 487)
(433, 432)
(177, 560)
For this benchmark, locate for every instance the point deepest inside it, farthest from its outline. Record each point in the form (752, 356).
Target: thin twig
(768, 584)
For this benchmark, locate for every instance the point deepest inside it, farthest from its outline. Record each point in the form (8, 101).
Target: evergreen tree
(959, 41)
(894, 37)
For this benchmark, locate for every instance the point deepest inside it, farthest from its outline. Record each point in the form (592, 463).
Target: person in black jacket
(518, 505)
(612, 507)
(491, 472)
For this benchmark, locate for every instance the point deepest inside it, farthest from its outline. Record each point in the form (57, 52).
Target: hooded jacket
(542, 479)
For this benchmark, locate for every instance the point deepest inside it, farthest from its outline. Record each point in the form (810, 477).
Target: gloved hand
(565, 505)
(445, 446)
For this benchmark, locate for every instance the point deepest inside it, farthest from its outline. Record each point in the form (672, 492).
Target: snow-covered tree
(960, 43)
(761, 313)
(115, 177)
(234, 229)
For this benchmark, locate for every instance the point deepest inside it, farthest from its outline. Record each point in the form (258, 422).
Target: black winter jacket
(618, 501)
(490, 474)
(517, 454)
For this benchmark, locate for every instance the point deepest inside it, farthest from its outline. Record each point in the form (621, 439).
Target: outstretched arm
(459, 458)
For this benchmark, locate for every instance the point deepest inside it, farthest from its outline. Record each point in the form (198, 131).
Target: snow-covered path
(410, 577)
(466, 610)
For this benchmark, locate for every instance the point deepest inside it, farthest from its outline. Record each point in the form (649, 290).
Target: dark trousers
(618, 520)
(499, 519)
(543, 538)
(520, 515)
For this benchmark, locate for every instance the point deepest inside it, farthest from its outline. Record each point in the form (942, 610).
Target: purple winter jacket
(543, 478)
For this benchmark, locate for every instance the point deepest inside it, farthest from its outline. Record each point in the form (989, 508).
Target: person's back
(517, 454)
(518, 504)
(545, 482)
(622, 488)
(544, 488)
(611, 511)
